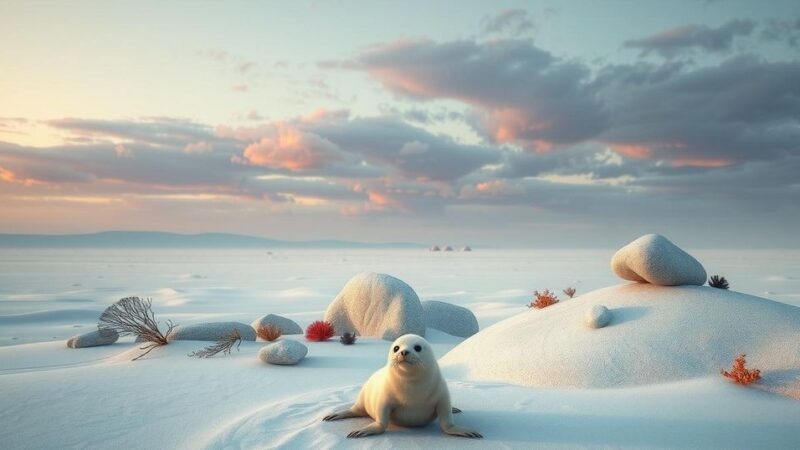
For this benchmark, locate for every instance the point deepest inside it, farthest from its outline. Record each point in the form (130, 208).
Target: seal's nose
(404, 352)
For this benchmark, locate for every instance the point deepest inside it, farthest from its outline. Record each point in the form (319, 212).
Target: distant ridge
(157, 239)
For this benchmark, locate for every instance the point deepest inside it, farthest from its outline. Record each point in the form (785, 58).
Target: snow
(657, 334)
(55, 397)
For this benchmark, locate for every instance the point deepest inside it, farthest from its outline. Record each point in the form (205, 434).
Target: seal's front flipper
(343, 414)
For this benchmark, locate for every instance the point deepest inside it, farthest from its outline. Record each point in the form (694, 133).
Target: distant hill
(155, 239)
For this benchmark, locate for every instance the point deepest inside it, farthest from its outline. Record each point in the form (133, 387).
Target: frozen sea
(48, 295)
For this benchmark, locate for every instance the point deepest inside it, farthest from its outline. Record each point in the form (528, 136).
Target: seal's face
(411, 353)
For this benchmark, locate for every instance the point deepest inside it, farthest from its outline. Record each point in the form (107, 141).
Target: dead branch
(224, 346)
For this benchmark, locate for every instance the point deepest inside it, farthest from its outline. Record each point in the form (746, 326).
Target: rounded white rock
(285, 352)
(653, 259)
(597, 316)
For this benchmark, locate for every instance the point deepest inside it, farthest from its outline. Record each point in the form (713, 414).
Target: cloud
(512, 21)
(786, 31)
(740, 110)
(675, 41)
(519, 93)
(291, 149)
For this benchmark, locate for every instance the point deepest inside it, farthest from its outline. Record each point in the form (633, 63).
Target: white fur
(409, 391)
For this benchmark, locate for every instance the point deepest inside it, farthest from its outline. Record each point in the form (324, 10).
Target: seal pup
(409, 391)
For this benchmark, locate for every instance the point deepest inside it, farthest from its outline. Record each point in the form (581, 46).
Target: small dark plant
(740, 374)
(348, 339)
(718, 281)
(543, 299)
(268, 332)
(319, 331)
(134, 316)
(223, 346)
(569, 292)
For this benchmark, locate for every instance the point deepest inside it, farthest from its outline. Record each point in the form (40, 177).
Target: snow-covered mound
(379, 305)
(657, 334)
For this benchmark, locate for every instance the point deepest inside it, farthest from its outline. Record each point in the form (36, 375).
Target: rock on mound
(656, 334)
(286, 325)
(211, 331)
(654, 259)
(378, 305)
(93, 339)
(452, 319)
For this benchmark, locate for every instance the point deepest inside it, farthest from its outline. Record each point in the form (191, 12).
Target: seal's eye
(417, 348)
(396, 348)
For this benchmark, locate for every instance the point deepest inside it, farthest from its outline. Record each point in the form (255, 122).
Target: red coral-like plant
(543, 299)
(741, 375)
(319, 331)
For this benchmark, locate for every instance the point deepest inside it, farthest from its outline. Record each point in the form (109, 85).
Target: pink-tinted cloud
(519, 93)
(291, 149)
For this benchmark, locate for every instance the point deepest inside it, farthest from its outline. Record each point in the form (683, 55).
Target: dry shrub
(543, 299)
(719, 282)
(224, 346)
(134, 316)
(348, 339)
(569, 292)
(268, 332)
(741, 375)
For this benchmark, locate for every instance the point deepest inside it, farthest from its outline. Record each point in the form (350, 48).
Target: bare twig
(224, 345)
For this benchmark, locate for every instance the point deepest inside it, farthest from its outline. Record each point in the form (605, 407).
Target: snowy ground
(54, 397)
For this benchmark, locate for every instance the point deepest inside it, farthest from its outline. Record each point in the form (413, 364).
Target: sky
(534, 124)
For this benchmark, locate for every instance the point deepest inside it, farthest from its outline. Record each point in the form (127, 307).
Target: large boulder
(653, 259)
(378, 305)
(285, 352)
(93, 339)
(211, 331)
(452, 319)
(287, 326)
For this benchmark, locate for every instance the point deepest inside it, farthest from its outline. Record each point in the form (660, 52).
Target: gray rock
(597, 316)
(378, 305)
(452, 319)
(287, 326)
(654, 259)
(435, 248)
(448, 249)
(285, 352)
(93, 339)
(466, 249)
(211, 331)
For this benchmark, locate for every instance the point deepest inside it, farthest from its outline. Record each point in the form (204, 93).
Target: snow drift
(657, 334)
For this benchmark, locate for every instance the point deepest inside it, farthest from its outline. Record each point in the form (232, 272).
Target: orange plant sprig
(740, 374)
(543, 299)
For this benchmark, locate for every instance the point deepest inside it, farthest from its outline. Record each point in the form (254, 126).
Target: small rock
(448, 249)
(653, 259)
(597, 316)
(466, 249)
(93, 339)
(285, 352)
(452, 319)
(287, 326)
(211, 331)
(435, 248)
